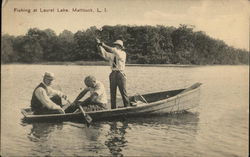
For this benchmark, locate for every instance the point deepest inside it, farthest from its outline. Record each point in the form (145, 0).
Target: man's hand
(98, 41)
(61, 111)
(64, 96)
(58, 108)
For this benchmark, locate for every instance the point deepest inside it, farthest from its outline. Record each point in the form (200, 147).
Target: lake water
(218, 127)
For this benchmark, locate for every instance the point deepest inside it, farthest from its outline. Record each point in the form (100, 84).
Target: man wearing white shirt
(97, 99)
(45, 99)
(117, 58)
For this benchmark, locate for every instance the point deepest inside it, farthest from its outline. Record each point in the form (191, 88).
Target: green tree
(143, 44)
(7, 52)
(64, 48)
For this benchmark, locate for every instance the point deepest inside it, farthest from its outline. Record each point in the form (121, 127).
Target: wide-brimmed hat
(49, 75)
(119, 42)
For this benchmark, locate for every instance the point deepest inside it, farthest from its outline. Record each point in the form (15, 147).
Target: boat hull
(158, 103)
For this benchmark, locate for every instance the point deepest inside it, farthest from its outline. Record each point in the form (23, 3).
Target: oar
(87, 117)
(143, 98)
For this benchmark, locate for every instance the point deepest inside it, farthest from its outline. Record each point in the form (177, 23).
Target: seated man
(97, 99)
(46, 100)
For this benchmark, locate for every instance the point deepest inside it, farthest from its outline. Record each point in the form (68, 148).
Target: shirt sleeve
(105, 54)
(45, 100)
(121, 55)
(54, 92)
(99, 89)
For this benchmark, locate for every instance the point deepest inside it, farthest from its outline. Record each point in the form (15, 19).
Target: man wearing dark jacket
(46, 100)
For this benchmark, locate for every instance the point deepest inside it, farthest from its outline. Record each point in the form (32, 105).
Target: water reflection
(93, 134)
(186, 118)
(116, 137)
(111, 137)
(41, 131)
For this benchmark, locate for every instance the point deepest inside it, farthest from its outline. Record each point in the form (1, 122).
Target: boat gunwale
(178, 96)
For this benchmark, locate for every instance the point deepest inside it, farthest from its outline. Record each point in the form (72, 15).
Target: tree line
(143, 44)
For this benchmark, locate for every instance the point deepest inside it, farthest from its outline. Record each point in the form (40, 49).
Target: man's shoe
(133, 104)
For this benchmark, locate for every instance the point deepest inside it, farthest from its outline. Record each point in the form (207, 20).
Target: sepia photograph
(125, 78)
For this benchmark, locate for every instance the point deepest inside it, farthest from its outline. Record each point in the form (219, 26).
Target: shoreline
(104, 63)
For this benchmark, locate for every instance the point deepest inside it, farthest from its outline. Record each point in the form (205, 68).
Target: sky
(227, 20)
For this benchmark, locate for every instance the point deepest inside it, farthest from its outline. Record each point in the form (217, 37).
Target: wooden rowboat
(157, 103)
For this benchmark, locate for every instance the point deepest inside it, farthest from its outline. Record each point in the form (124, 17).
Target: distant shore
(103, 63)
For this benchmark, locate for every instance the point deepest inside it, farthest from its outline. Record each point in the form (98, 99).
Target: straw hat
(49, 75)
(119, 42)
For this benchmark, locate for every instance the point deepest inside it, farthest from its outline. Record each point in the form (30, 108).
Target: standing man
(117, 58)
(45, 99)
